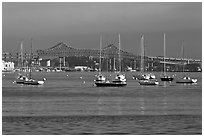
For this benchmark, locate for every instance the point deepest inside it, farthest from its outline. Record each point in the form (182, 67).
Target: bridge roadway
(137, 58)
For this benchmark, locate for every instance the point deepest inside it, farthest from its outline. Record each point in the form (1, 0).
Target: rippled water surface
(69, 103)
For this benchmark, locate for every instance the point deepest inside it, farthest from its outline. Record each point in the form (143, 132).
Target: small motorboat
(187, 80)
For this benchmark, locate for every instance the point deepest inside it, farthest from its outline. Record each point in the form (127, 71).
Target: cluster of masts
(143, 78)
(120, 79)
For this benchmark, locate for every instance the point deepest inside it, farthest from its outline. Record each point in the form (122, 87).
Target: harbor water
(69, 103)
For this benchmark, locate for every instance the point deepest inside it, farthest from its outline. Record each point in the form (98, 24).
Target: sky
(80, 25)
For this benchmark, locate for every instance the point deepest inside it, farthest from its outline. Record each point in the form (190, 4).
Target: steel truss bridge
(62, 50)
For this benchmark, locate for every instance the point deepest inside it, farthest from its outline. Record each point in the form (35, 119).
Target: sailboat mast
(21, 55)
(142, 54)
(182, 50)
(119, 55)
(164, 53)
(30, 57)
(100, 55)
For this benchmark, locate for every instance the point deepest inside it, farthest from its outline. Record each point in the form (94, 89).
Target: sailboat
(119, 79)
(145, 78)
(142, 75)
(100, 78)
(165, 77)
(21, 78)
(25, 80)
(119, 76)
(185, 79)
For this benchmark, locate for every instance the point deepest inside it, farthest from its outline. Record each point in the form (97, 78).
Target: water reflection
(142, 101)
(21, 108)
(119, 107)
(142, 105)
(100, 103)
(164, 101)
(108, 105)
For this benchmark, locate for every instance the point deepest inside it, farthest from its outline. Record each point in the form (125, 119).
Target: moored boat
(148, 82)
(100, 78)
(25, 80)
(185, 79)
(110, 84)
(145, 78)
(21, 79)
(119, 79)
(165, 77)
(142, 75)
(28, 81)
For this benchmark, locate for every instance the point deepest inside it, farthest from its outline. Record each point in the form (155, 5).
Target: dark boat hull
(148, 84)
(167, 79)
(19, 82)
(110, 84)
(27, 82)
(31, 83)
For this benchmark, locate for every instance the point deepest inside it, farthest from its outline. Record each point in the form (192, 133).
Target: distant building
(18, 60)
(7, 66)
(6, 56)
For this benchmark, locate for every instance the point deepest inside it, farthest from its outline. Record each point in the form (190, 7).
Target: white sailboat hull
(148, 82)
(189, 80)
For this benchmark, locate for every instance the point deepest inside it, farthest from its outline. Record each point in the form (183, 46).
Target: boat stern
(40, 82)
(194, 80)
